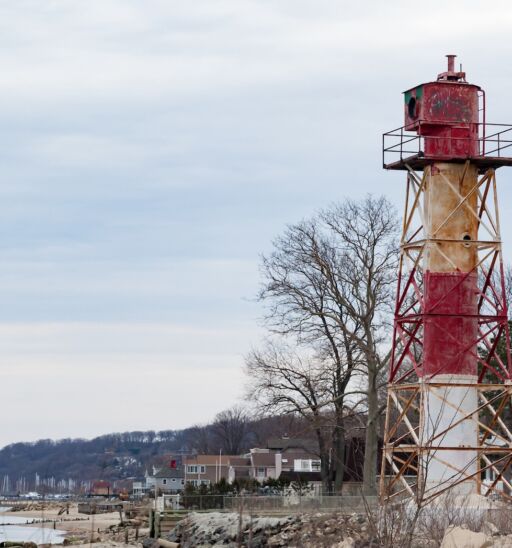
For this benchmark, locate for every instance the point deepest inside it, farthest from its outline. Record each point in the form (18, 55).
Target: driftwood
(167, 543)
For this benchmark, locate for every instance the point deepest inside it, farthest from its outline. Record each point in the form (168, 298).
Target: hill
(69, 464)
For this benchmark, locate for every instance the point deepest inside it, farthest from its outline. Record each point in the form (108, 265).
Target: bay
(17, 531)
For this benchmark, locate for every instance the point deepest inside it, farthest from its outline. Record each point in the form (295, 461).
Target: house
(206, 469)
(258, 464)
(101, 489)
(239, 468)
(265, 464)
(299, 461)
(138, 488)
(296, 459)
(164, 480)
(293, 449)
(169, 480)
(286, 444)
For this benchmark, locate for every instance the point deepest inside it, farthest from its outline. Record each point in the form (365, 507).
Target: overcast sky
(150, 151)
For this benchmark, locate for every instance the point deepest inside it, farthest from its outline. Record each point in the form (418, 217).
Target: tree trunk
(324, 463)
(339, 453)
(372, 434)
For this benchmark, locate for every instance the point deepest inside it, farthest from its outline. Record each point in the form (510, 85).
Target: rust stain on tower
(450, 376)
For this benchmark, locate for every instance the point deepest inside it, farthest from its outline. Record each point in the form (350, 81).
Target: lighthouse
(449, 381)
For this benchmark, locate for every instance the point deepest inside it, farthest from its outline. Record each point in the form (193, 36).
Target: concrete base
(445, 427)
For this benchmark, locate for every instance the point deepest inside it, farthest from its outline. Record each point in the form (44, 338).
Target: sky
(150, 150)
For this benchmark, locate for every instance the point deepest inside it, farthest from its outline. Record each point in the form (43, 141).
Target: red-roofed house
(101, 489)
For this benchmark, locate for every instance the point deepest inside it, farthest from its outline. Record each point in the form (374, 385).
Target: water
(16, 532)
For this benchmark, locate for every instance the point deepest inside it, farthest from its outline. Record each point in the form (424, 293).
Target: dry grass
(403, 524)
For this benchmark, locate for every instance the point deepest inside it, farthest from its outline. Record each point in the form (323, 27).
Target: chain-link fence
(295, 503)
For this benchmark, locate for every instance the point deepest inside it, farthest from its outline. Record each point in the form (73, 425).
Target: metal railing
(400, 144)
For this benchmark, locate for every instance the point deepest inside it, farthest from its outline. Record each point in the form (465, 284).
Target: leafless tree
(230, 428)
(200, 439)
(328, 285)
(368, 231)
(278, 426)
(285, 383)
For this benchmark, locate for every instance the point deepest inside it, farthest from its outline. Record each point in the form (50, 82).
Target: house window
(315, 466)
(197, 483)
(261, 471)
(195, 469)
(306, 465)
(164, 482)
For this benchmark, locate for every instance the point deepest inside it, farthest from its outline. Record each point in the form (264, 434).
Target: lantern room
(446, 114)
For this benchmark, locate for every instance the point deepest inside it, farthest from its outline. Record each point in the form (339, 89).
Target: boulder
(490, 529)
(457, 537)
(502, 542)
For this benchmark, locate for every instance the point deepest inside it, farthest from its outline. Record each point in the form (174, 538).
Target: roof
(100, 483)
(283, 444)
(301, 476)
(263, 459)
(240, 461)
(209, 460)
(169, 473)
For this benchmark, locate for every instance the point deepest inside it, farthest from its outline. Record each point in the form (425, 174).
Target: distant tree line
(124, 455)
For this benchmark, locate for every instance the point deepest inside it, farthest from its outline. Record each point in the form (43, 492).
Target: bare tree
(284, 383)
(508, 286)
(369, 232)
(277, 426)
(328, 284)
(199, 439)
(231, 428)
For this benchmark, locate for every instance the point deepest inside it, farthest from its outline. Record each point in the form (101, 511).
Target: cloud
(151, 150)
(82, 379)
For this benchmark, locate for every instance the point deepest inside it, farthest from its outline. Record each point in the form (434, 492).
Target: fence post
(239, 537)
(157, 524)
(152, 523)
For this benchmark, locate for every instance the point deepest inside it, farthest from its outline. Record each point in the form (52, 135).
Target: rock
(503, 542)
(490, 529)
(346, 543)
(424, 543)
(457, 537)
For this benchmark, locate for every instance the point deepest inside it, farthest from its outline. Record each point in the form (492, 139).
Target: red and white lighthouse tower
(450, 372)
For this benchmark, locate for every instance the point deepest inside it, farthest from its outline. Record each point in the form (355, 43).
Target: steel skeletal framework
(448, 405)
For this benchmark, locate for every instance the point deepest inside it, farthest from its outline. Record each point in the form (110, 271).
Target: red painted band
(450, 341)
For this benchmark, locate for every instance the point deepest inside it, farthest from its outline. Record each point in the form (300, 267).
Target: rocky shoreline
(231, 530)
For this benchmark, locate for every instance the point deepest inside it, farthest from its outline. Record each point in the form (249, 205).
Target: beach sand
(81, 528)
